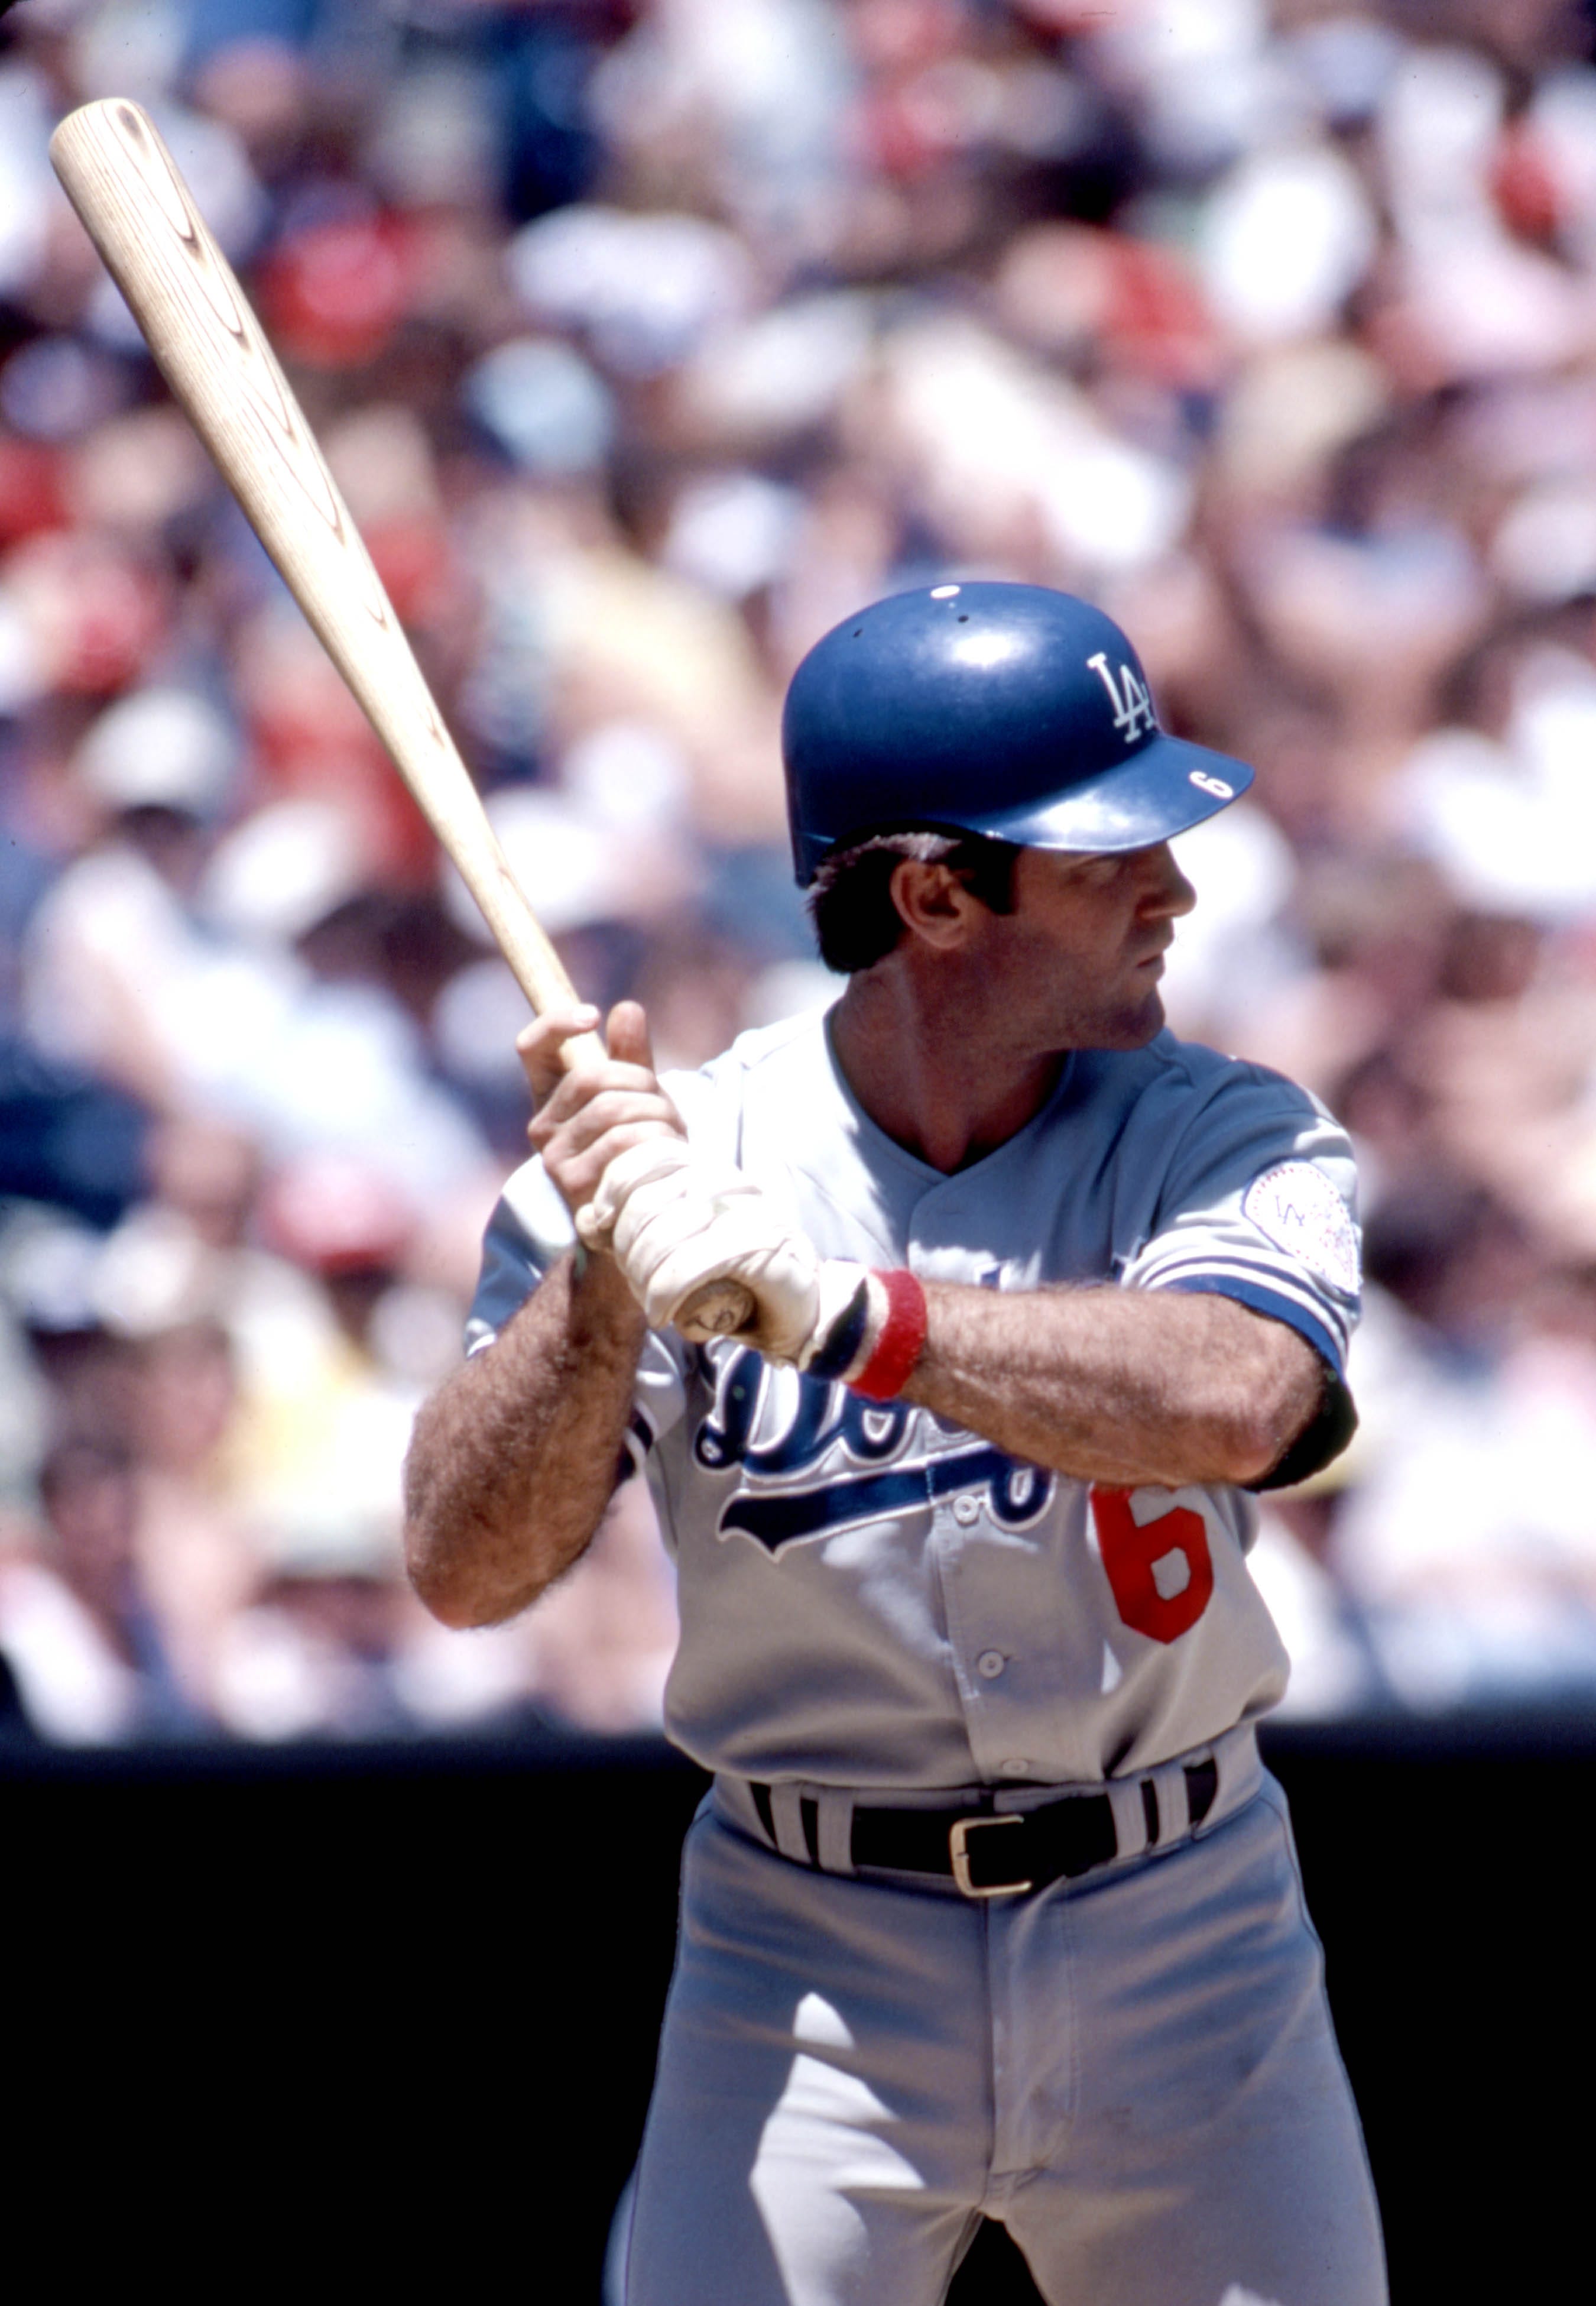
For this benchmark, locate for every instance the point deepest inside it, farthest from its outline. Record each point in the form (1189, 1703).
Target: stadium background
(647, 337)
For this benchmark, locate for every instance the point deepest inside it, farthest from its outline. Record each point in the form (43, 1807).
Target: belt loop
(786, 1812)
(834, 1833)
(1130, 1815)
(1202, 1789)
(1240, 1772)
(1175, 1806)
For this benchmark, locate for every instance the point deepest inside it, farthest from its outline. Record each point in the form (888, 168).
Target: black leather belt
(989, 1852)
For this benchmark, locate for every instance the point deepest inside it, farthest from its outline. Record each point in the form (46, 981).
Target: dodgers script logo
(815, 1475)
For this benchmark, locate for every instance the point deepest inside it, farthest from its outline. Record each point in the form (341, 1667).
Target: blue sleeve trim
(1265, 1301)
(1218, 1269)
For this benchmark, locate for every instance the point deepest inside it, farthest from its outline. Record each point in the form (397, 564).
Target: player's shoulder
(1198, 1076)
(1179, 1107)
(766, 1058)
(763, 1046)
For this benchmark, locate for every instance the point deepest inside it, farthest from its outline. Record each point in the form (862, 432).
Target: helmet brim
(1163, 790)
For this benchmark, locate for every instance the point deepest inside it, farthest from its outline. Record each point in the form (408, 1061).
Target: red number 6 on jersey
(1161, 1570)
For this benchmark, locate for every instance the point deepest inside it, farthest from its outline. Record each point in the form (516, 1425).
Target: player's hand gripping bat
(209, 346)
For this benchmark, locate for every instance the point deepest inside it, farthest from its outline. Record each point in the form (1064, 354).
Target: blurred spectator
(119, 976)
(648, 338)
(78, 1627)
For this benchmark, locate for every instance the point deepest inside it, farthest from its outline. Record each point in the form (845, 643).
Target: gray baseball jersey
(872, 1597)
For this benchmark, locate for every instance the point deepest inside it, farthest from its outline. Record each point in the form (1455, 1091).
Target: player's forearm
(513, 1460)
(1121, 1386)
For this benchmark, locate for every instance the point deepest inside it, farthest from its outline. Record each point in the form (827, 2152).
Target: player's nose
(1168, 893)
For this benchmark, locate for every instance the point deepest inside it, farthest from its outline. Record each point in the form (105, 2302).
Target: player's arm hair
(513, 1460)
(1121, 1386)
(851, 901)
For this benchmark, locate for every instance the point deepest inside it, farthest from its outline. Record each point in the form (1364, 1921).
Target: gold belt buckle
(959, 1834)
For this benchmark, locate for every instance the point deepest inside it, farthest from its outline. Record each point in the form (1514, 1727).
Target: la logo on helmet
(1133, 710)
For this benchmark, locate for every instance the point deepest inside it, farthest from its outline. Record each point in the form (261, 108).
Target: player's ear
(935, 903)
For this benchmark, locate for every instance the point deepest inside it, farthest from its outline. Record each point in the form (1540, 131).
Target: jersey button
(990, 1664)
(1018, 1768)
(966, 1510)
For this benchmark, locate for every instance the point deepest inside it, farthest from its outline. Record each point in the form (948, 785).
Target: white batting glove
(675, 1222)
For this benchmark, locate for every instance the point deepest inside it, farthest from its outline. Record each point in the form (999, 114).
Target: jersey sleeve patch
(1296, 1207)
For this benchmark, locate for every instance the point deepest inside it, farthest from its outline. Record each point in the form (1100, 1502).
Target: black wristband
(1324, 1438)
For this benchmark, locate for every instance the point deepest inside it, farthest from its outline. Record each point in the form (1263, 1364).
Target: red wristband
(903, 1335)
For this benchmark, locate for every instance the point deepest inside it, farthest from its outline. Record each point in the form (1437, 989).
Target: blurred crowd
(648, 338)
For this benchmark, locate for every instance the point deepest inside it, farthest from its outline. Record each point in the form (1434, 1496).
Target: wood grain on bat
(211, 350)
(209, 346)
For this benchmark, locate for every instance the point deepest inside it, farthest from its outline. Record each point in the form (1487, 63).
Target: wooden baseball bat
(210, 348)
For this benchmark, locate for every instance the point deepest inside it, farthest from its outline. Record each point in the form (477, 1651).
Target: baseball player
(992, 1909)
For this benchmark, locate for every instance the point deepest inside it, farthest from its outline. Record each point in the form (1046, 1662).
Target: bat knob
(720, 1307)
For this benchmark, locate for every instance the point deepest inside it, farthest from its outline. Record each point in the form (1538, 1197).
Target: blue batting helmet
(1006, 709)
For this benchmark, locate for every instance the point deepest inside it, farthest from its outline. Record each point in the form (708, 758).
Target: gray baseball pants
(1136, 2073)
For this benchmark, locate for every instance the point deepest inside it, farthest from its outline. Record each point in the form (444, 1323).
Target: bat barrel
(210, 348)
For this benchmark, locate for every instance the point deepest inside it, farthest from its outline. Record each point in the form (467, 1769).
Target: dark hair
(850, 898)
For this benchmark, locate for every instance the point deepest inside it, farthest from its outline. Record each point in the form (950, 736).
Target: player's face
(1083, 950)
